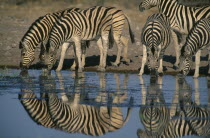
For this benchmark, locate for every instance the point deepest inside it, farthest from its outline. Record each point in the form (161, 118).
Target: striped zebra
(155, 115)
(198, 39)
(118, 22)
(36, 108)
(38, 33)
(182, 18)
(155, 37)
(196, 115)
(93, 23)
(73, 117)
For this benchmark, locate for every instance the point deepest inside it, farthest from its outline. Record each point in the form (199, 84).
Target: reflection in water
(63, 110)
(184, 118)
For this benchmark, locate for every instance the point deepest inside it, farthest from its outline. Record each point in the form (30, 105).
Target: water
(102, 99)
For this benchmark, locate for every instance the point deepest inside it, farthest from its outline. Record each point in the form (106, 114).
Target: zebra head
(147, 4)
(153, 59)
(185, 61)
(49, 56)
(27, 55)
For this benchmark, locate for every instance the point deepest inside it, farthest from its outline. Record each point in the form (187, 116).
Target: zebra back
(156, 31)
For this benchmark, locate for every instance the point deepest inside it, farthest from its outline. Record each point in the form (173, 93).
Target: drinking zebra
(88, 27)
(38, 33)
(198, 39)
(182, 18)
(118, 22)
(155, 37)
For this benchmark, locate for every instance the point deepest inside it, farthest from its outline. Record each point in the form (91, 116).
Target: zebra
(196, 115)
(36, 108)
(182, 18)
(155, 37)
(156, 116)
(117, 23)
(89, 27)
(198, 39)
(73, 117)
(38, 33)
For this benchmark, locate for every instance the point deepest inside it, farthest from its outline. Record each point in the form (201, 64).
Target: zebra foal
(198, 39)
(76, 26)
(155, 38)
(182, 18)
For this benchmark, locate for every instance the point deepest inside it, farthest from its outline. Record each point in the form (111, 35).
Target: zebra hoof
(114, 64)
(72, 68)
(101, 69)
(58, 70)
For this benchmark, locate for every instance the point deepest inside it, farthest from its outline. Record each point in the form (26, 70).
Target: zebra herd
(78, 27)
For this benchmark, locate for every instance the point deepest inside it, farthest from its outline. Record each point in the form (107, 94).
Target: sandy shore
(15, 20)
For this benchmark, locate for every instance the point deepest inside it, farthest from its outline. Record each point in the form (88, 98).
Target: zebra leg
(105, 41)
(160, 69)
(119, 49)
(63, 52)
(197, 63)
(100, 46)
(73, 67)
(78, 54)
(144, 59)
(177, 49)
(124, 41)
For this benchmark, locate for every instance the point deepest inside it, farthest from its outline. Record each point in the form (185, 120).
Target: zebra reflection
(196, 114)
(158, 119)
(36, 108)
(64, 110)
(72, 117)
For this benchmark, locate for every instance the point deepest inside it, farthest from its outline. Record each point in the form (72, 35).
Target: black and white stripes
(38, 33)
(155, 38)
(198, 39)
(90, 24)
(182, 18)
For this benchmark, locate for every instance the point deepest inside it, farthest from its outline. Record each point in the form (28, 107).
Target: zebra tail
(111, 38)
(132, 36)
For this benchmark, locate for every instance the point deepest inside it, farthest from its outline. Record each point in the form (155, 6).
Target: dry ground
(15, 20)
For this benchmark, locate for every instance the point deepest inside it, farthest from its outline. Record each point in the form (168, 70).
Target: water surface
(89, 104)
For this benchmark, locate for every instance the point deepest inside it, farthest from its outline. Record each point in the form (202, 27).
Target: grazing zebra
(156, 118)
(198, 39)
(73, 117)
(38, 33)
(182, 18)
(196, 115)
(118, 22)
(155, 38)
(36, 108)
